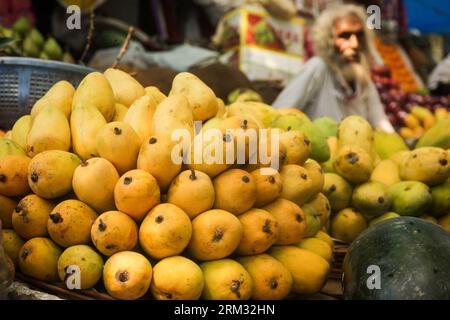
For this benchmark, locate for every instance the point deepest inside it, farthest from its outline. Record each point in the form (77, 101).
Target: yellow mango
(95, 89)
(126, 89)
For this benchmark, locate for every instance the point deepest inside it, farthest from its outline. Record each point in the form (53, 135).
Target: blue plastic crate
(25, 80)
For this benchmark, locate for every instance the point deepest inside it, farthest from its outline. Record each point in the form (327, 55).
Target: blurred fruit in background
(22, 39)
(398, 104)
(399, 69)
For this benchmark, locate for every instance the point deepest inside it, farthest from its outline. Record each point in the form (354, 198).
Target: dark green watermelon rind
(413, 256)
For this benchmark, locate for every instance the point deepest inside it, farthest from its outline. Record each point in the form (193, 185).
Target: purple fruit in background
(392, 119)
(385, 97)
(394, 84)
(444, 101)
(379, 86)
(381, 70)
(393, 107)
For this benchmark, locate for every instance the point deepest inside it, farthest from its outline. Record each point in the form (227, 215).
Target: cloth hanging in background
(440, 77)
(11, 10)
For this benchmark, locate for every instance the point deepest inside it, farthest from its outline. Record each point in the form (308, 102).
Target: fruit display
(401, 71)
(420, 120)
(24, 40)
(417, 111)
(105, 177)
(374, 176)
(182, 197)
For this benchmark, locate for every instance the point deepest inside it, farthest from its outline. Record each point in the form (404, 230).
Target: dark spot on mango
(332, 188)
(101, 226)
(56, 217)
(443, 162)
(227, 137)
(352, 158)
(3, 178)
(218, 235)
(168, 295)
(266, 227)
(159, 219)
(271, 179)
(273, 284)
(304, 176)
(122, 276)
(235, 285)
(117, 131)
(34, 177)
(127, 180)
(380, 200)
(152, 140)
(110, 246)
(84, 164)
(307, 141)
(298, 217)
(246, 179)
(25, 253)
(24, 216)
(192, 176)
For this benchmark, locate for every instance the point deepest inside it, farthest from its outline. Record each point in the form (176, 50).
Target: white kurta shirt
(316, 92)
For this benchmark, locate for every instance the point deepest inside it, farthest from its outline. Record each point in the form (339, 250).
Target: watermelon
(404, 258)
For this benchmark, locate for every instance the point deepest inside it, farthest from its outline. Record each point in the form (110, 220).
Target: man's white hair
(322, 32)
(323, 39)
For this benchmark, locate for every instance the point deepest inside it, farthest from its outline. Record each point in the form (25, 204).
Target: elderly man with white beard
(336, 82)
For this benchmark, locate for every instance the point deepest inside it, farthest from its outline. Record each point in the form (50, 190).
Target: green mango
(313, 222)
(10, 148)
(371, 199)
(410, 198)
(437, 136)
(337, 190)
(36, 37)
(327, 126)
(22, 25)
(53, 49)
(440, 200)
(320, 149)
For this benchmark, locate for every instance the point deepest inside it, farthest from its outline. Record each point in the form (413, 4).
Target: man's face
(348, 37)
